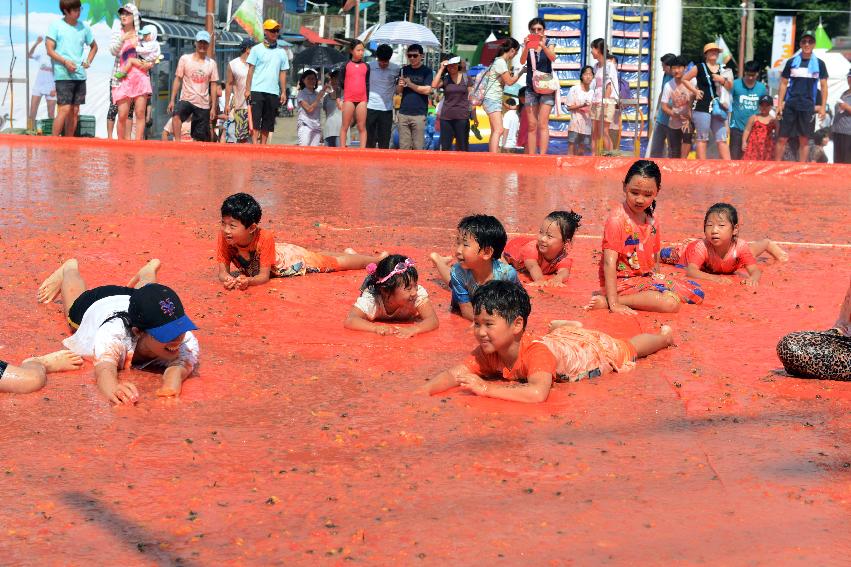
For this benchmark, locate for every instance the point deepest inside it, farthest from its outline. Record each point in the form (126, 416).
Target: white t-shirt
(580, 120)
(680, 100)
(374, 309)
(494, 84)
(611, 78)
(110, 341)
(511, 123)
(305, 118)
(239, 70)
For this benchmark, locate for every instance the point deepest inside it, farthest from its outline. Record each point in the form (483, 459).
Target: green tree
(106, 10)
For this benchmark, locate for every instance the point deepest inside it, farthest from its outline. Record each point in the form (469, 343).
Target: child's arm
(747, 131)
(560, 276)
(427, 323)
(694, 271)
(356, 320)
(225, 277)
(445, 380)
(610, 275)
(536, 389)
(244, 282)
(312, 107)
(534, 269)
(754, 274)
(106, 374)
(466, 311)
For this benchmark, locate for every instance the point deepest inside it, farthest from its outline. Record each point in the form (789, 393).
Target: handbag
(542, 83)
(715, 106)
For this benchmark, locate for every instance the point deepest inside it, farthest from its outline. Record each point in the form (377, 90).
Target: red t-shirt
(533, 357)
(636, 244)
(355, 87)
(522, 248)
(262, 253)
(705, 257)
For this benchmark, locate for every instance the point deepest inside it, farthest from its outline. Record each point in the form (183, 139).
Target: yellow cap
(271, 24)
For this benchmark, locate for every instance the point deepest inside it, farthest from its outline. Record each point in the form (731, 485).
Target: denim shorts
(706, 124)
(492, 106)
(534, 99)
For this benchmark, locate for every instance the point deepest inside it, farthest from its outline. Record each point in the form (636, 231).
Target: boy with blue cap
(195, 73)
(121, 327)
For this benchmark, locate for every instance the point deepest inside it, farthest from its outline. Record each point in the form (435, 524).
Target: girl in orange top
(354, 83)
(631, 244)
(546, 254)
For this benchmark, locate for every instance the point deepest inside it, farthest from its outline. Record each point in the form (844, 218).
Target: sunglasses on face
(413, 55)
(807, 41)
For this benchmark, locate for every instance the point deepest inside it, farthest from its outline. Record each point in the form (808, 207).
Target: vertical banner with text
(783, 45)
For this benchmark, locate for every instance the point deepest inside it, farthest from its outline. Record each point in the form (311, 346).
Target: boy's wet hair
(567, 223)
(404, 279)
(751, 67)
(679, 61)
(66, 6)
(242, 207)
(486, 230)
(648, 169)
(503, 298)
(722, 209)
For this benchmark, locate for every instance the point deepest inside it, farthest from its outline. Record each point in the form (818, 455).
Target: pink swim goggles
(399, 268)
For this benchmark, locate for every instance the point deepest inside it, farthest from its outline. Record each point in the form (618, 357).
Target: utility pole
(749, 49)
(211, 27)
(382, 12)
(742, 33)
(411, 12)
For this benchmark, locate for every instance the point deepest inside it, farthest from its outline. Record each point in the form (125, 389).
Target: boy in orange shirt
(511, 365)
(256, 257)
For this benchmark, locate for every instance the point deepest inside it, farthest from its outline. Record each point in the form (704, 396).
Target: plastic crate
(86, 125)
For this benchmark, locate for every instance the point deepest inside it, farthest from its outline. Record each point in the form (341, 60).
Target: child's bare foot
(597, 302)
(667, 332)
(555, 324)
(50, 288)
(147, 274)
(171, 387)
(350, 251)
(58, 361)
(779, 254)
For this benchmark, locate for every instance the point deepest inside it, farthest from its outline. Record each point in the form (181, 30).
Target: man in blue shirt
(799, 99)
(746, 94)
(414, 86)
(66, 39)
(379, 109)
(660, 129)
(266, 85)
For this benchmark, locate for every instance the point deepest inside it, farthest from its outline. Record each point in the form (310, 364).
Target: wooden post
(742, 33)
(211, 28)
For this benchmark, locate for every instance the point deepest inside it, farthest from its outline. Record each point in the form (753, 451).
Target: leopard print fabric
(824, 355)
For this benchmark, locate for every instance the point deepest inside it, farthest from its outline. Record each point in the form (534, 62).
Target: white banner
(783, 45)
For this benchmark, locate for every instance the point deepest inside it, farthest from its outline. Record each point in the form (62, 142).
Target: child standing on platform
(509, 364)
(256, 256)
(480, 242)
(391, 293)
(721, 251)
(631, 245)
(546, 254)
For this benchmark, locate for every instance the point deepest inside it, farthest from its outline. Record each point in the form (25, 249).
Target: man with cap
(236, 105)
(660, 128)
(196, 74)
(266, 84)
(799, 98)
(379, 108)
(122, 327)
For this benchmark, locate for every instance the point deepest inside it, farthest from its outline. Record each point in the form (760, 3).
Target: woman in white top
(309, 103)
(603, 106)
(498, 77)
(121, 327)
(44, 85)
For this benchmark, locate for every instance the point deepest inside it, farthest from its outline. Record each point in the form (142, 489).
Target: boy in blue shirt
(746, 94)
(66, 39)
(479, 245)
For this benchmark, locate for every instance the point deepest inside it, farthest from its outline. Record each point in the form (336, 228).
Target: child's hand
(384, 330)
(242, 282)
(406, 332)
(473, 383)
(750, 282)
(722, 280)
(229, 282)
(622, 309)
(124, 393)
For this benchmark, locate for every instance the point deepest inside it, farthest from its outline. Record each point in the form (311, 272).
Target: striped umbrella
(405, 33)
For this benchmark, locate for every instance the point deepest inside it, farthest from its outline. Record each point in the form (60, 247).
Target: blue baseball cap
(203, 35)
(156, 310)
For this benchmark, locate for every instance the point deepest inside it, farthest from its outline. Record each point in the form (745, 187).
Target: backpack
(480, 87)
(624, 91)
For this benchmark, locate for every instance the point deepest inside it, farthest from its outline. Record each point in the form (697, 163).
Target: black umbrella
(319, 56)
